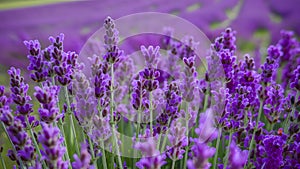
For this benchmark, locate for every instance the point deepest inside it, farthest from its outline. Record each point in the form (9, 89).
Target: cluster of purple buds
(151, 157)
(173, 100)
(37, 61)
(271, 64)
(47, 95)
(178, 140)
(19, 92)
(150, 73)
(111, 39)
(82, 161)
(53, 151)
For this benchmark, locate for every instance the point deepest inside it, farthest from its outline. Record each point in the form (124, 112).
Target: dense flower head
(229, 39)
(37, 62)
(178, 140)
(19, 91)
(206, 130)
(53, 152)
(151, 157)
(295, 82)
(200, 154)
(48, 97)
(271, 64)
(237, 158)
(274, 102)
(82, 161)
(111, 39)
(273, 146)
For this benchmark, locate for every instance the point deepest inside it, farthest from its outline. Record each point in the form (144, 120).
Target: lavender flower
(53, 152)
(177, 140)
(83, 161)
(237, 158)
(200, 155)
(37, 62)
(295, 82)
(48, 97)
(271, 64)
(151, 157)
(19, 92)
(206, 130)
(273, 146)
(111, 39)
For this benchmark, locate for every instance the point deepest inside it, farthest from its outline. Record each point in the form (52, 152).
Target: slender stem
(92, 152)
(255, 129)
(3, 162)
(35, 143)
(71, 119)
(187, 134)
(151, 112)
(115, 142)
(62, 131)
(173, 163)
(228, 150)
(165, 138)
(217, 148)
(287, 120)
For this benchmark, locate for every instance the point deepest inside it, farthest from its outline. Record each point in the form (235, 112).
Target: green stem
(187, 134)
(62, 131)
(287, 120)
(104, 164)
(112, 117)
(228, 150)
(35, 143)
(71, 119)
(255, 129)
(2, 161)
(92, 152)
(217, 148)
(165, 138)
(173, 163)
(151, 112)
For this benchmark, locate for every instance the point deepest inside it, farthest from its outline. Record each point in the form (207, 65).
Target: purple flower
(19, 91)
(237, 158)
(111, 39)
(178, 141)
(85, 102)
(206, 130)
(151, 157)
(273, 146)
(271, 64)
(295, 82)
(37, 61)
(200, 155)
(48, 97)
(53, 152)
(83, 161)
(150, 74)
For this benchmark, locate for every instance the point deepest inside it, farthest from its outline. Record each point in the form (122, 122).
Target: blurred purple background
(254, 20)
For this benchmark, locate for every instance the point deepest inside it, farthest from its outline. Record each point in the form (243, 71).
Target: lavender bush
(174, 119)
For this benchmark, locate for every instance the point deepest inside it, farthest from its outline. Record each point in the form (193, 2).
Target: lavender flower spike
(152, 158)
(200, 155)
(237, 158)
(53, 151)
(84, 160)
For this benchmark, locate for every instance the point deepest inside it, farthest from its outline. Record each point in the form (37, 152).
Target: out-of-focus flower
(200, 155)
(83, 161)
(237, 158)
(178, 140)
(151, 157)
